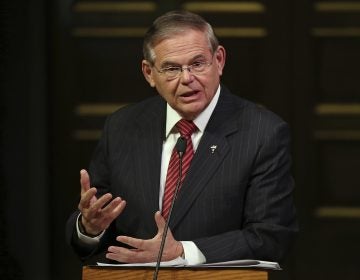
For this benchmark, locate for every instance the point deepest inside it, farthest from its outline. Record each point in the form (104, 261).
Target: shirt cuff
(193, 255)
(87, 239)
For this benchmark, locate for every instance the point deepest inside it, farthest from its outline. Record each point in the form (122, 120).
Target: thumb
(160, 222)
(84, 181)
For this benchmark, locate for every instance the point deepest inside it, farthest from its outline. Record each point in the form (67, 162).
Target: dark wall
(24, 143)
(66, 64)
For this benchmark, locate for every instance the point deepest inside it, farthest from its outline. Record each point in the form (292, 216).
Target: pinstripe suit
(235, 203)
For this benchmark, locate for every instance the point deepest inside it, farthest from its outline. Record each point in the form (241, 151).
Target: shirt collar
(172, 117)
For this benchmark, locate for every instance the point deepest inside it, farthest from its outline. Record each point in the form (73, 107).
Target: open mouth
(189, 94)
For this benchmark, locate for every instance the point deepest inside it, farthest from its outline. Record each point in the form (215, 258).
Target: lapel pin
(213, 148)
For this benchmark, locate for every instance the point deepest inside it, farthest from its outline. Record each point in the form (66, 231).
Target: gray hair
(175, 22)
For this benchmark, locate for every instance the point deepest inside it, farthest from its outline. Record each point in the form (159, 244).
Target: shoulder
(247, 112)
(127, 115)
(260, 125)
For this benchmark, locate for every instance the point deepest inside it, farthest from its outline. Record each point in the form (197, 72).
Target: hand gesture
(95, 216)
(146, 250)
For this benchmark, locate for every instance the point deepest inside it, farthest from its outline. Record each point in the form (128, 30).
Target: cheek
(167, 91)
(210, 85)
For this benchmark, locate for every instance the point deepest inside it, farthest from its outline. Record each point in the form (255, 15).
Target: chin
(190, 115)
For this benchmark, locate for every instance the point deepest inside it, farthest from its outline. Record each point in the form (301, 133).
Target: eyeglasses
(173, 72)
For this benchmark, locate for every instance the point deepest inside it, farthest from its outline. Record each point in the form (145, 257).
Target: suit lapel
(150, 132)
(205, 162)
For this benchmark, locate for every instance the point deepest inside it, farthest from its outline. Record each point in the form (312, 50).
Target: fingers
(87, 198)
(133, 242)
(98, 208)
(96, 219)
(87, 193)
(114, 209)
(116, 253)
(84, 181)
(100, 203)
(146, 250)
(125, 255)
(88, 201)
(149, 244)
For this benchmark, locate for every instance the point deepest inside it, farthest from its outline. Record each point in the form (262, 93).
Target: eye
(198, 64)
(171, 69)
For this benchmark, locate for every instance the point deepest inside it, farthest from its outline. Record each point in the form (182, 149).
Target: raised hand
(97, 217)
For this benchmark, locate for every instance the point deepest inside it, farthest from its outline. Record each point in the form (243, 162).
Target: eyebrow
(168, 63)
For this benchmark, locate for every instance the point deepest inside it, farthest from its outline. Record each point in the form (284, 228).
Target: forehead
(182, 47)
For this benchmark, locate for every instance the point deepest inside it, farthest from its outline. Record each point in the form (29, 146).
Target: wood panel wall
(329, 51)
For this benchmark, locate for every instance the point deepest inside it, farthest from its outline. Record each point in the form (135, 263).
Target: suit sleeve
(269, 222)
(99, 174)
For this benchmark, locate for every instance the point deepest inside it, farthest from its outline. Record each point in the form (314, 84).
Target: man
(235, 200)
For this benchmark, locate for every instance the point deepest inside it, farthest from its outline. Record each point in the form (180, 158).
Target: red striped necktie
(186, 129)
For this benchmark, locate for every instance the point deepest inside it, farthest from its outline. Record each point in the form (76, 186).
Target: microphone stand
(181, 147)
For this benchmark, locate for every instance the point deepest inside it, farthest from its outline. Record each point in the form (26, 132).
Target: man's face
(189, 94)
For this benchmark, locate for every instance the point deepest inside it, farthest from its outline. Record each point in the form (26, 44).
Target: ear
(148, 72)
(220, 57)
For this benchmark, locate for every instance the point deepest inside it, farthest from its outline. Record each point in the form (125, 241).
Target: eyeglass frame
(181, 69)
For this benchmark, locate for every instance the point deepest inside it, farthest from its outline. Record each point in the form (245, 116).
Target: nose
(186, 75)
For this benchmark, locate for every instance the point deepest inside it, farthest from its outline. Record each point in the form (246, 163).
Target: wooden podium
(179, 273)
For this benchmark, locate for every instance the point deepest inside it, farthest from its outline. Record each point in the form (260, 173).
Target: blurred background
(66, 64)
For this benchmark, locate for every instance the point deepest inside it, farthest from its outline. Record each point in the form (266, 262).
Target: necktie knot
(186, 128)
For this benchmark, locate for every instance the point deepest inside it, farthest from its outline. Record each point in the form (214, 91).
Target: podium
(166, 273)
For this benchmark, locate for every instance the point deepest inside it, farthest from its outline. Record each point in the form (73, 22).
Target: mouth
(189, 94)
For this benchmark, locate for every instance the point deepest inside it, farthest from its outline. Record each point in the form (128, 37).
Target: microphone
(180, 148)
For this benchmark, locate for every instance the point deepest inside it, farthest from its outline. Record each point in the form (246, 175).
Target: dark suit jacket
(235, 203)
